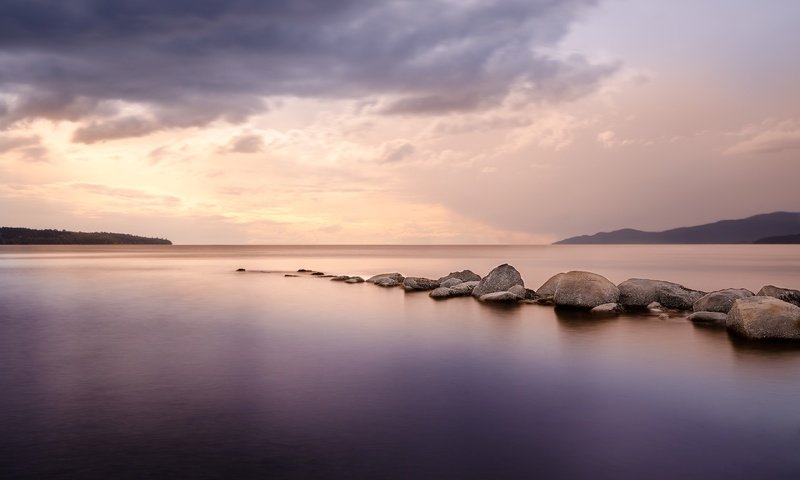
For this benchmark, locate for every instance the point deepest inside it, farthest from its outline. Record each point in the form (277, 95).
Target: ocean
(163, 362)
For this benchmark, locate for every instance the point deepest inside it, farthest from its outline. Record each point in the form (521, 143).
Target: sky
(395, 122)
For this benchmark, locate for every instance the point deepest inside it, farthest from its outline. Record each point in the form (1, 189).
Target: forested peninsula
(30, 236)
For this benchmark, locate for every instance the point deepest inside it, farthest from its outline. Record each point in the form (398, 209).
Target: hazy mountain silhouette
(30, 236)
(758, 228)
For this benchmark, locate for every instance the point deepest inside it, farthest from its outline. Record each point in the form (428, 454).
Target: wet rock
(721, 300)
(291, 275)
(785, 294)
(608, 308)
(765, 318)
(587, 290)
(441, 292)
(463, 275)
(354, 280)
(640, 292)
(411, 284)
(241, 270)
(464, 289)
(714, 318)
(340, 278)
(317, 274)
(387, 282)
(450, 282)
(500, 279)
(499, 297)
(519, 291)
(398, 278)
(304, 270)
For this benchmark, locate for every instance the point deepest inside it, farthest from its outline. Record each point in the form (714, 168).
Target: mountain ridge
(32, 236)
(736, 231)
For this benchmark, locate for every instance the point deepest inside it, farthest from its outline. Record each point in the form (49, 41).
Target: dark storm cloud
(195, 61)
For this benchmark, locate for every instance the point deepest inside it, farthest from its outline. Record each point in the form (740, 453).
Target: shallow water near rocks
(163, 362)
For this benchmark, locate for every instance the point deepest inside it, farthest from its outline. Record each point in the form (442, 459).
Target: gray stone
(354, 280)
(387, 282)
(450, 282)
(241, 270)
(463, 275)
(519, 291)
(785, 294)
(608, 308)
(762, 317)
(548, 288)
(499, 297)
(398, 278)
(640, 292)
(340, 278)
(463, 289)
(715, 318)
(500, 279)
(441, 292)
(653, 306)
(411, 284)
(584, 290)
(721, 300)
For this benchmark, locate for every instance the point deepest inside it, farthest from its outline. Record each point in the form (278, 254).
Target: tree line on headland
(30, 236)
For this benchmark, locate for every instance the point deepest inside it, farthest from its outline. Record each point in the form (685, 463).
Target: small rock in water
(463, 275)
(354, 280)
(608, 308)
(241, 270)
(500, 279)
(317, 274)
(640, 292)
(519, 291)
(387, 282)
(303, 270)
(291, 275)
(398, 278)
(411, 284)
(441, 292)
(655, 306)
(721, 300)
(766, 318)
(584, 290)
(715, 318)
(450, 282)
(340, 278)
(785, 294)
(499, 297)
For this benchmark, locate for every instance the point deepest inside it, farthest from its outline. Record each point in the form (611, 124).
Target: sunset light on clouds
(352, 121)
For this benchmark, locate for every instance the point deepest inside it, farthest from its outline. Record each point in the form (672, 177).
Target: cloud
(189, 63)
(609, 139)
(773, 138)
(29, 147)
(396, 151)
(128, 194)
(246, 143)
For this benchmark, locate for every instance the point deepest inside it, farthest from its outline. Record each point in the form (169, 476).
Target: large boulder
(548, 288)
(766, 318)
(463, 275)
(720, 301)
(396, 278)
(785, 294)
(640, 292)
(500, 279)
(584, 290)
(411, 284)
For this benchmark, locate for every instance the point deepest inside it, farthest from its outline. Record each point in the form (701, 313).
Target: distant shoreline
(30, 236)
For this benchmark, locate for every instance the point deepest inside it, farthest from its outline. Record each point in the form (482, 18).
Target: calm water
(161, 362)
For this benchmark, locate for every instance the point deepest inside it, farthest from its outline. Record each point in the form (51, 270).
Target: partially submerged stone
(500, 279)
(587, 290)
(504, 297)
(340, 278)
(397, 277)
(241, 270)
(450, 282)
(785, 294)
(548, 288)
(765, 318)
(712, 318)
(411, 284)
(640, 292)
(609, 308)
(463, 275)
(354, 280)
(721, 300)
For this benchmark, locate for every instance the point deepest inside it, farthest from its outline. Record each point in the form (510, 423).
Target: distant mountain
(757, 228)
(29, 236)
(782, 239)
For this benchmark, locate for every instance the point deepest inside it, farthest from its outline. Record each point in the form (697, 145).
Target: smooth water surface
(162, 362)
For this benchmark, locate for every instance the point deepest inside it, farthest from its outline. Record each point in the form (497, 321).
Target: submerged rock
(291, 275)
(463, 275)
(241, 270)
(721, 300)
(785, 294)
(317, 274)
(500, 279)
(304, 270)
(354, 280)
(608, 308)
(499, 297)
(578, 289)
(715, 318)
(411, 284)
(640, 292)
(340, 278)
(766, 318)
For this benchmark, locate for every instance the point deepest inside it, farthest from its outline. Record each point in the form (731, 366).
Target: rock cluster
(771, 314)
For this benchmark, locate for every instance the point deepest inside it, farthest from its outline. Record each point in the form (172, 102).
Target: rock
(640, 292)
(387, 282)
(450, 282)
(354, 280)
(653, 306)
(715, 318)
(663, 316)
(500, 279)
(317, 274)
(721, 300)
(340, 278)
(584, 290)
(519, 291)
(291, 275)
(608, 308)
(398, 278)
(441, 292)
(548, 288)
(463, 275)
(463, 289)
(499, 297)
(785, 294)
(411, 284)
(241, 270)
(765, 317)
(303, 270)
